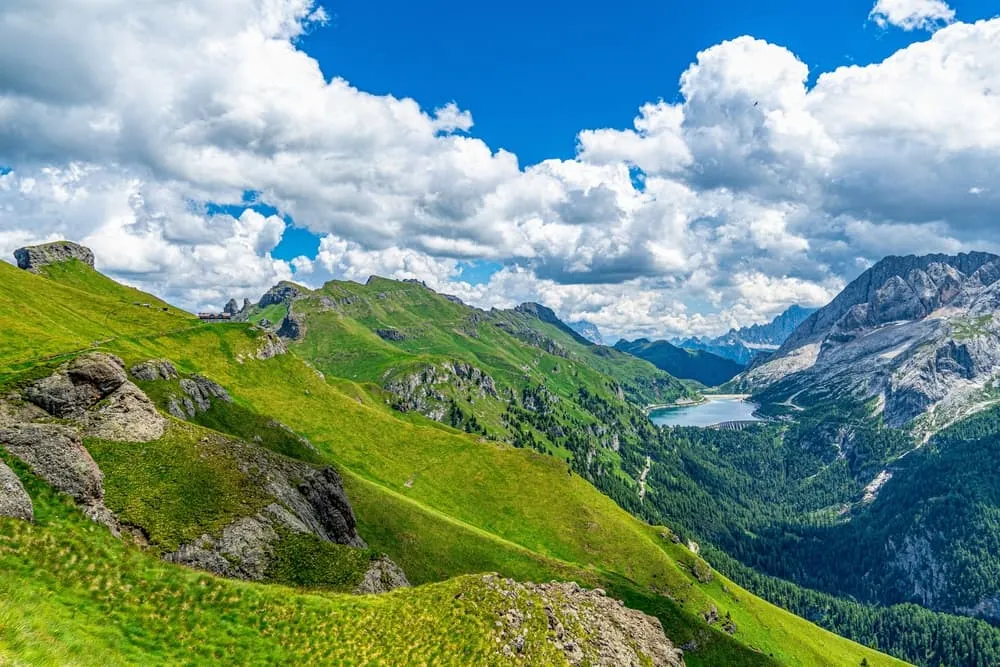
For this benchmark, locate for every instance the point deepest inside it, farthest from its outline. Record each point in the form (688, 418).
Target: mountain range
(244, 490)
(699, 365)
(747, 343)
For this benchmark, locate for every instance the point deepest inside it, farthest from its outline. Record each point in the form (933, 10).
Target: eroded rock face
(154, 369)
(243, 551)
(126, 415)
(199, 392)
(382, 576)
(15, 502)
(422, 390)
(586, 625)
(292, 328)
(306, 500)
(94, 391)
(917, 334)
(55, 453)
(32, 258)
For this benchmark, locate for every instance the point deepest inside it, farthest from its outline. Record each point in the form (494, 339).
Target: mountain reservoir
(714, 410)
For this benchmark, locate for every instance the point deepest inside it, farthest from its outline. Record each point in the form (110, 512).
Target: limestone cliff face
(918, 334)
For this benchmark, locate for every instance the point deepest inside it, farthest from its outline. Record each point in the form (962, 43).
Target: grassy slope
(472, 505)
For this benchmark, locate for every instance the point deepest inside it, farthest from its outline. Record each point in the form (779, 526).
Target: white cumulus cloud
(912, 14)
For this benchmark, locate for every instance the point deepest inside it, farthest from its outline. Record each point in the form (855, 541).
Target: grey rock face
(198, 395)
(231, 307)
(329, 513)
(586, 625)
(280, 293)
(14, 500)
(243, 551)
(56, 454)
(292, 328)
(270, 346)
(154, 369)
(916, 333)
(32, 258)
(390, 334)
(126, 415)
(73, 389)
(94, 391)
(421, 391)
(306, 500)
(382, 576)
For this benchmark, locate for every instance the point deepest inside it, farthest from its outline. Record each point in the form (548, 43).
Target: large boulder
(55, 453)
(94, 391)
(382, 576)
(126, 415)
(32, 258)
(70, 391)
(14, 500)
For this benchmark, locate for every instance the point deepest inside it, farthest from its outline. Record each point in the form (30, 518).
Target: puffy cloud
(121, 120)
(912, 14)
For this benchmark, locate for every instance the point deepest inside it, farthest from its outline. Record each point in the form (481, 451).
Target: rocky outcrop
(33, 258)
(15, 503)
(243, 551)
(283, 292)
(56, 454)
(125, 415)
(269, 346)
(306, 500)
(94, 392)
(588, 627)
(198, 394)
(292, 328)
(382, 576)
(423, 390)
(231, 307)
(153, 370)
(392, 335)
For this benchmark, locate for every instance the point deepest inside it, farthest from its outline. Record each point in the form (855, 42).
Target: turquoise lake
(715, 410)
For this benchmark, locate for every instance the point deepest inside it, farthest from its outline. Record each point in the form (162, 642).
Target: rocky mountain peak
(32, 258)
(916, 333)
(896, 289)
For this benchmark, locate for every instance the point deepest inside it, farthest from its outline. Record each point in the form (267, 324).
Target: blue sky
(657, 168)
(534, 73)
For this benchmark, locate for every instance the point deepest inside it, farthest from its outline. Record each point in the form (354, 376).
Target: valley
(425, 444)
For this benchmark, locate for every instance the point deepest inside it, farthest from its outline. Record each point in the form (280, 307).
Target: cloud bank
(122, 122)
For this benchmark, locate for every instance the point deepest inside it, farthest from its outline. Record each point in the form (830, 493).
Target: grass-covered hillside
(442, 503)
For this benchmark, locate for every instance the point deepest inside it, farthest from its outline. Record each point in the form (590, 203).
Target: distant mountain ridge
(709, 369)
(744, 344)
(588, 330)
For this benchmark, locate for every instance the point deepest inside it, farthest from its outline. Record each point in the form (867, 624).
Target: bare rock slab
(14, 500)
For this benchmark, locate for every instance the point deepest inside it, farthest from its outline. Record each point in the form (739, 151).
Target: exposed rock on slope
(916, 333)
(586, 625)
(55, 453)
(382, 576)
(33, 258)
(306, 500)
(424, 390)
(93, 391)
(198, 394)
(15, 502)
